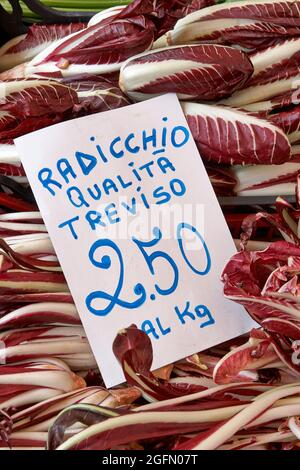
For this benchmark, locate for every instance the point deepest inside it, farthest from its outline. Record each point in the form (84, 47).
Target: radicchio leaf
(235, 365)
(133, 349)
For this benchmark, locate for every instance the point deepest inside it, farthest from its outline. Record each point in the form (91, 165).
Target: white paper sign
(137, 229)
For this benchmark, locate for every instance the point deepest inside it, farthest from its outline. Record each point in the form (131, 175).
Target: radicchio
(49, 313)
(267, 282)
(28, 383)
(68, 343)
(230, 136)
(285, 100)
(249, 24)
(29, 105)
(264, 179)
(199, 72)
(24, 48)
(289, 122)
(276, 72)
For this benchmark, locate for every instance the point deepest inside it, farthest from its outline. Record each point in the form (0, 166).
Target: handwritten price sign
(137, 229)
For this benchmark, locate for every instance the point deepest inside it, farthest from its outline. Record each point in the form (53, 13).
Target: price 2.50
(153, 257)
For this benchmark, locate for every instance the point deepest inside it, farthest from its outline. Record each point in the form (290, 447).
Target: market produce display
(235, 68)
